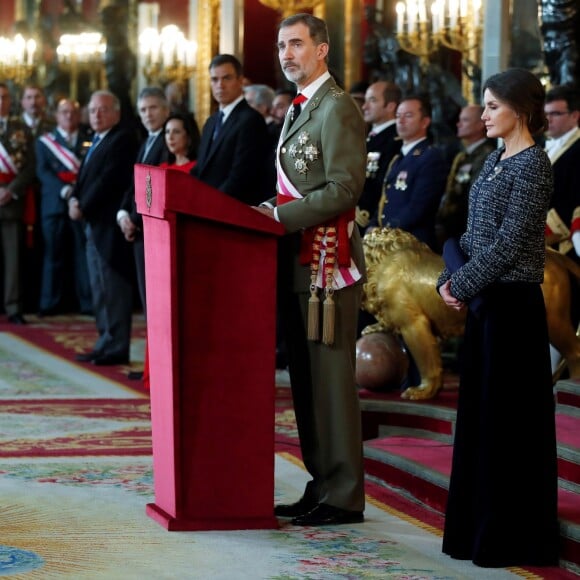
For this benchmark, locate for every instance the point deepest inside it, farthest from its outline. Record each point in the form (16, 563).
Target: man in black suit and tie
(562, 108)
(105, 174)
(234, 141)
(153, 109)
(58, 159)
(379, 108)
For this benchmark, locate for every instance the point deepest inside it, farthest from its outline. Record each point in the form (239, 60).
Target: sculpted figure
(560, 30)
(400, 293)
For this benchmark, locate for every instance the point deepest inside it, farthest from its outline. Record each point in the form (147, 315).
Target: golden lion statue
(400, 293)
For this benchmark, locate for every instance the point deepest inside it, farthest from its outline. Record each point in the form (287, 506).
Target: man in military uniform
(321, 171)
(16, 181)
(58, 158)
(451, 218)
(380, 105)
(416, 178)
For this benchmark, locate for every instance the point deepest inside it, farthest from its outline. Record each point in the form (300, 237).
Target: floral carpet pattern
(76, 475)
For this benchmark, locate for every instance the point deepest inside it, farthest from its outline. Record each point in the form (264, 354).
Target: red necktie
(296, 108)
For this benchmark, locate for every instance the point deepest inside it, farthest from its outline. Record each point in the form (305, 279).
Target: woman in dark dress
(502, 503)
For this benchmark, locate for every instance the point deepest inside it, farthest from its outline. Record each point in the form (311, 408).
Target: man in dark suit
(153, 109)
(379, 107)
(562, 108)
(416, 178)
(321, 166)
(105, 174)
(16, 182)
(234, 140)
(58, 159)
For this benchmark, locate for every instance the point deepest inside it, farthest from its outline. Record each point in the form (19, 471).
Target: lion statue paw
(422, 392)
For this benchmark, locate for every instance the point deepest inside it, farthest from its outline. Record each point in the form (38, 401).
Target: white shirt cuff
(122, 213)
(576, 242)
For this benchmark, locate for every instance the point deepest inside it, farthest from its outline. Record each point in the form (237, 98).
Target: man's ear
(322, 50)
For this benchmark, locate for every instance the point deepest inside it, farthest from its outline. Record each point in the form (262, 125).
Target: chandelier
(288, 7)
(167, 55)
(16, 59)
(455, 24)
(82, 52)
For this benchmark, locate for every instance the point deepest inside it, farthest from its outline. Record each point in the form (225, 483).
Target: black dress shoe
(135, 375)
(110, 359)
(327, 515)
(292, 510)
(87, 356)
(16, 319)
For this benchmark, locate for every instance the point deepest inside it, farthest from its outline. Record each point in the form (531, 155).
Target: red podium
(211, 277)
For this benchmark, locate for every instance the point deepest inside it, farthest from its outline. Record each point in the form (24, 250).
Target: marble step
(417, 462)
(568, 392)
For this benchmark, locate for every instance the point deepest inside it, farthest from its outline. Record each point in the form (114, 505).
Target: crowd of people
(329, 168)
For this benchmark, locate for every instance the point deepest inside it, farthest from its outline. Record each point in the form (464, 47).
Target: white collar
(309, 90)
(406, 148)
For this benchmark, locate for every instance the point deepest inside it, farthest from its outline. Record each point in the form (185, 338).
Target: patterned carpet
(75, 476)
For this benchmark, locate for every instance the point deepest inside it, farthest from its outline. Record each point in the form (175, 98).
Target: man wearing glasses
(562, 109)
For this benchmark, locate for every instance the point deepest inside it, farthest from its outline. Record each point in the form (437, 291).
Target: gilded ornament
(303, 151)
(311, 152)
(148, 191)
(373, 158)
(401, 181)
(17, 147)
(301, 166)
(496, 172)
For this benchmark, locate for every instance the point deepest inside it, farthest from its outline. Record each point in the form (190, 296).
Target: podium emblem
(148, 191)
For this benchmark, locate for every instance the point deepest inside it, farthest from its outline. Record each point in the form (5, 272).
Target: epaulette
(336, 92)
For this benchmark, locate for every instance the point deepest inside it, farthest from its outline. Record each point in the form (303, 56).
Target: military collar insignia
(336, 92)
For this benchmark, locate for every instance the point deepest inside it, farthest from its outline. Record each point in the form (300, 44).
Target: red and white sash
(343, 276)
(64, 155)
(7, 165)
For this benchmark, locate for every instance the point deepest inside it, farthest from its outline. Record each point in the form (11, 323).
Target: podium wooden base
(172, 524)
(210, 264)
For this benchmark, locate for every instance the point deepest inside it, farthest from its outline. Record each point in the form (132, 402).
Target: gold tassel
(328, 317)
(313, 314)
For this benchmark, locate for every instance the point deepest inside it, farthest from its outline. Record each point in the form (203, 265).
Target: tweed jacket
(504, 240)
(19, 144)
(323, 153)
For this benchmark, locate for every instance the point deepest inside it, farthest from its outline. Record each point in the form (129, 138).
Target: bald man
(451, 217)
